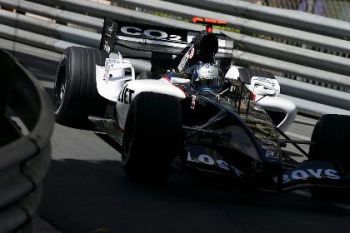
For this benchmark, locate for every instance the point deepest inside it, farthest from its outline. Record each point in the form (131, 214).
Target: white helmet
(206, 77)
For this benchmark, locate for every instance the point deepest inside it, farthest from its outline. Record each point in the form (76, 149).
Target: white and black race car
(161, 121)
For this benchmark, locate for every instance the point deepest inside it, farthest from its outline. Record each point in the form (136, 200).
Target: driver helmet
(206, 77)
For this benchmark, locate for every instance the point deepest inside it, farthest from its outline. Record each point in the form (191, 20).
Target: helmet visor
(207, 78)
(208, 84)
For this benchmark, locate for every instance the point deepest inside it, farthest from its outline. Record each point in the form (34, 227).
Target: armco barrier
(273, 49)
(34, 39)
(16, 48)
(259, 43)
(251, 44)
(247, 25)
(289, 18)
(26, 124)
(264, 48)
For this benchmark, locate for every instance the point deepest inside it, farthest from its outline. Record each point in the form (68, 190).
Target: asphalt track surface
(86, 189)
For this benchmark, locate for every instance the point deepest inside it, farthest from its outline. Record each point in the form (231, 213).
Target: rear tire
(331, 138)
(152, 137)
(75, 93)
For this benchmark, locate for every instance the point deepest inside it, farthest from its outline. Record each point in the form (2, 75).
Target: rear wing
(154, 38)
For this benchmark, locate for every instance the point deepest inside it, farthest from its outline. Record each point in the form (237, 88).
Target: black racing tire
(152, 137)
(75, 93)
(331, 139)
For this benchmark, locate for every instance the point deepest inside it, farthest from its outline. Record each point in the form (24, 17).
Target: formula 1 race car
(191, 111)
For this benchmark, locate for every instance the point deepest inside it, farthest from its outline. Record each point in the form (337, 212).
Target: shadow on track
(81, 196)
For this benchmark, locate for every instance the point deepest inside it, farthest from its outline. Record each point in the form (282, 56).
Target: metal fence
(26, 123)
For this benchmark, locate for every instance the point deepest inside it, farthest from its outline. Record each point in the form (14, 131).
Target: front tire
(331, 138)
(152, 137)
(75, 93)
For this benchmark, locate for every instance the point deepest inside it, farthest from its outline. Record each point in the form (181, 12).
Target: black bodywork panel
(231, 135)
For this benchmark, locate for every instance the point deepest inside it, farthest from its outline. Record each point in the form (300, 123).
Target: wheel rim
(60, 91)
(127, 144)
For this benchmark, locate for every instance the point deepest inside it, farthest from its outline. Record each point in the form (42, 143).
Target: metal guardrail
(244, 24)
(316, 94)
(16, 48)
(292, 19)
(26, 124)
(80, 21)
(272, 48)
(249, 26)
(34, 39)
(269, 49)
(338, 9)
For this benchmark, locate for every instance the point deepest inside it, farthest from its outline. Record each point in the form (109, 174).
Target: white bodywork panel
(133, 88)
(267, 91)
(232, 73)
(260, 86)
(279, 104)
(111, 78)
(116, 82)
